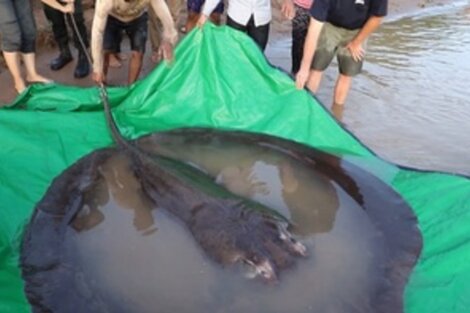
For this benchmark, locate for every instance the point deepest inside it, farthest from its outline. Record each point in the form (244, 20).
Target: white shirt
(241, 10)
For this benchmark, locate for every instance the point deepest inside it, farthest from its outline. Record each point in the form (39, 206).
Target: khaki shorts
(333, 40)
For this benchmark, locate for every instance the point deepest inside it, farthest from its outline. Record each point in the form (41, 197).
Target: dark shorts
(259, 33)
(136, 30)
(196, 6)
(333, 41)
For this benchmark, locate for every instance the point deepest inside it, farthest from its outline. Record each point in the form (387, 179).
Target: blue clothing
(196, 6)
(349, 14)
(17, 26)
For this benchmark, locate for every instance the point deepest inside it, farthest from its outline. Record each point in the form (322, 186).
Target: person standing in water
(338, 28)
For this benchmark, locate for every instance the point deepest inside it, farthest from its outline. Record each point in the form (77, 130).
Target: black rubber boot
(64, 58)
(83, 66)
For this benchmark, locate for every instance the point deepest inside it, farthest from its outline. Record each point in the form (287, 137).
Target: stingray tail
(115, 132)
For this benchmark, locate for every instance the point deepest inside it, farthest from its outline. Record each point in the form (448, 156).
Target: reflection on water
(96, 243)
(412, 103)
(142, 259)
(119, 252)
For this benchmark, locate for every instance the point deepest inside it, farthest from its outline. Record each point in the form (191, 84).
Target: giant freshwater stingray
(229, 228)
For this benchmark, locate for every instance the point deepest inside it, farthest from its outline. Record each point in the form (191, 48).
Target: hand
(287, 8)
(69, 7)
(302, 77)
(237, 233)
(201, 21)
(356, 50)
(98, 78)
(166, 50)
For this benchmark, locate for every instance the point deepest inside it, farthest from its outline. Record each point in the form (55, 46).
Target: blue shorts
(196, 6)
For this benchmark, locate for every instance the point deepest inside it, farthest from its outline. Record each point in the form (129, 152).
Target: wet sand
(278, 54)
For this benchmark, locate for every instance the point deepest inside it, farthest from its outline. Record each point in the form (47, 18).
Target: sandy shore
(280, 28)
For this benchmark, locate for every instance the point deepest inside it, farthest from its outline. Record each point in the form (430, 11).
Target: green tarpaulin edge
(220, 79)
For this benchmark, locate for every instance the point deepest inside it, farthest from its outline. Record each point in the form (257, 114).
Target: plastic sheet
(220, 79)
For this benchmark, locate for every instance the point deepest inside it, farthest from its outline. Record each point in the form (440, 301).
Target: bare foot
(115, 59)
(338, 109)
(38, 79)
(156, 56)
(20, 86)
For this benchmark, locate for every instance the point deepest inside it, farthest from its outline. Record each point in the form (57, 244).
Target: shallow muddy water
(411, 104)
(142, 259)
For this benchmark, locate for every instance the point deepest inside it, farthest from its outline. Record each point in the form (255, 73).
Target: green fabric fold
(219, 79)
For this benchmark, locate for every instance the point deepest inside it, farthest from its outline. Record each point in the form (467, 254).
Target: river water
(411, 103)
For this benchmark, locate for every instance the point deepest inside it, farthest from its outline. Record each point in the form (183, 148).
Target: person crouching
(112, 18)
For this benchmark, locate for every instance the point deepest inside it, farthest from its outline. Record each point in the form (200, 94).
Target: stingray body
(229, 228)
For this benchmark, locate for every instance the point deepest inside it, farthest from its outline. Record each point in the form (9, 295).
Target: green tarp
(219, 79)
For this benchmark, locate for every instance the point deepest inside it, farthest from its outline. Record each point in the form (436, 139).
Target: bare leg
(337, 110)
(343, 83)
(135, 66)
(215, 18)
(115, 60)
(191, 21)
(106, 60)
(32, 75)
(314, 80)
(12, 60)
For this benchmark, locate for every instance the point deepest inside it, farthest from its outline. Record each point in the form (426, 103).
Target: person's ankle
(20, 86)
(36, 78)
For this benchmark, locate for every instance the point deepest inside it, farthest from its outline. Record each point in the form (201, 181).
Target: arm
(102, 9)
(355, 46)
(206, 11)
(310, 46)
(287, 8)
(161, 9)
(68, 7)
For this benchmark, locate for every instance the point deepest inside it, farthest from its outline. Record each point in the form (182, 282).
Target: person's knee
(314, 79)
(348, 66)
(11, 43)
(28, 34)
(28, 44)
(10, 35)
(344, 78)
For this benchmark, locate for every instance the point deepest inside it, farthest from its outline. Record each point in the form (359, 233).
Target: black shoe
(62, 60)
(83, 66)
